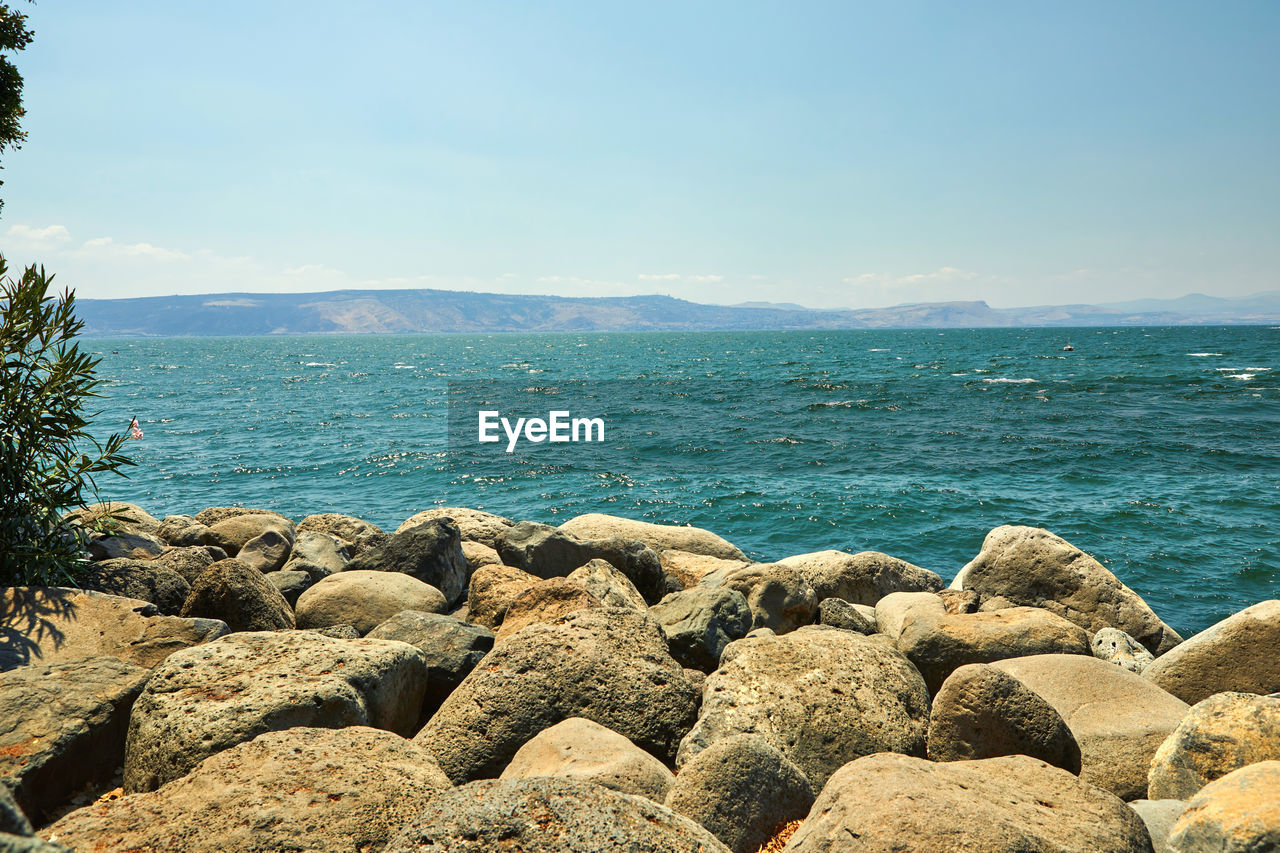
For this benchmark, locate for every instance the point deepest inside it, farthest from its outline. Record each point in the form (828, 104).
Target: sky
(829, 154)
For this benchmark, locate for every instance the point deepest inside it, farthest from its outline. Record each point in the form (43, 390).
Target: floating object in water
(1068, 348)
(135, 431)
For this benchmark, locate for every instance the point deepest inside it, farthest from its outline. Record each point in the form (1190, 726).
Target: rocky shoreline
(238, 680)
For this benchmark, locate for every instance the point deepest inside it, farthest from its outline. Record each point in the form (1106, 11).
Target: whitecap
(1203, 354)
(1004, 380)
(877, 350)
(319, 364)
(1242, 376)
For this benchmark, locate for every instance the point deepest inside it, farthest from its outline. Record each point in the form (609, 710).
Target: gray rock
(1239, 813)
(474, 525)
(64, 728)
(126, 544)
(290, 584)
(430, 552)
(658, 537)
(1236, 654)
(862, 578)
(700, 622)
(577, 748)
(356, 533)
(365, 599)
(609, 665)
(741, 789)
(492, 590)
(21, 844)
(190, 562)
(1159, 817)
(820, 695)
(266, 552)
(1117, 647)
(215, 514)
(12, 820)
(1218, 735)
(606, 583)
(240, 596)
(233, 533)
(779, 597)
(318, 554)
(839, 613)
(143, 580)
(337, 632)
(549, 816)
(181, 531)
(203, 700)
(452, 649)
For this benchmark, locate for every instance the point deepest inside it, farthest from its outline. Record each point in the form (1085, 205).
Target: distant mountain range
(395, 311)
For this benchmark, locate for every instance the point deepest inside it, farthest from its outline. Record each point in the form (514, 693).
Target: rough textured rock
(1237, 654)
(981, 712)
(474, 525)
(12, 820)
(1117, 647)
(125, 544)
(1159, 817)
(700, 622)
(581, 749)
(143, 580)
(493, 588)
(1031, 566)
(365, 599)
(451, 647)
(1119, 719)
(477, 554)
(779, 597)
(820, 695)
(203, 700)
(659, 537)
(355, 533)
(337, 632)
(960, 600)
(290, 584)
(232, 534)
(240, 596)
(20, 844)
(214, 514)
(741, 789)
(266, 552)
(862, 578)
(50, 625)
(546, 601)
(1013, 804)
(319, 554)
(115, 514)
(893, 610)
(609, 665)
(181, 531)
(839, 613)
(1218, 735)
(606, 583)
(300, 789)
(62, 727)
(1239, 813)
(688, 570)
(430, 552)
(549, 816)
(189, 562)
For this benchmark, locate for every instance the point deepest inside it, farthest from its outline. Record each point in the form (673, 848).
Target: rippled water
(1157, 450)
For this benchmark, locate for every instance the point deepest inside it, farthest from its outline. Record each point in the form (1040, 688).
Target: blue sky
(832, 154)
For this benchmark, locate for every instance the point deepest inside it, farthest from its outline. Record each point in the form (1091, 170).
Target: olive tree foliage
(48, 458)
(14, 36)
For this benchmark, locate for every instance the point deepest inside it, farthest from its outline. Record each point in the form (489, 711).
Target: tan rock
(474, 524)
(689, 569)
(1237, 654)
(862, 578)
(365, 599)
(659, 537)
(1239, 813)
(232, 533)
(578, 748)
(546, 601)
(492, 590)
(606, 583)
(1159, 816)
(121, 514)
(893, 610)
(477, 555)
(779, 597)
(1218, 735)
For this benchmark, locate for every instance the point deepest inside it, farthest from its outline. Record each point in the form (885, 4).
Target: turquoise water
(1157, 450)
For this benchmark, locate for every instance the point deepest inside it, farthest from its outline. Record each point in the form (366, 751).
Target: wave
(1004, 380)
(319, 364)
(1203, 354)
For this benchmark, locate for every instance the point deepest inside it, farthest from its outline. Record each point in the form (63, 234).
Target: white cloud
(108, 246)
(942, 274)
(38, 237)
(667, 276)
(708, 279)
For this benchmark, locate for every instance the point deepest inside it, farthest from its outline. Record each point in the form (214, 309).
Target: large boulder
(741, 789)
(894, 610)
(47, 625)
(779, 597)
(1119, 719)
(299, 789)
(862, 578)
(1236, 654)
(492, 590)
(659, 537)
(548, 552)
(1218, 735)
(1114, 645)
(820, 695)
(62, 728)
(474, 525)
(356, 533)
(477, 555)
(581, 749)
(266, 552)
(452, 649)
(12, 820)
(203, 700)
(546, 601)
(1159, 817)
(214, 514)
(115, 515)
(430, 552)
(291, 585)
(981, 712)
(365, 599)
(549, 816)
(123, 544)
(839, 613)
(699, 623)
(1012, 804)
(688, 570)
(319, 554)
(240, 596)
(233, 533)
(181, 531)
(189, 562)
(1033, 567)
(139, 579)
(1239, 813)
(606, 583)
(609, 665)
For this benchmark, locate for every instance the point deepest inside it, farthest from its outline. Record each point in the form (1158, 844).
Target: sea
(1156, 450)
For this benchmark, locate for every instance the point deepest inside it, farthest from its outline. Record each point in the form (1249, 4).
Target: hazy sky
(832, 154)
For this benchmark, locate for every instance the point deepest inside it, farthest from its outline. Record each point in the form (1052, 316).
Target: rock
(688, 570)
(143, 580)
(1159, 817)
(546, 601)
(181, 531)
(1012, 804)
(1032, 567)
(190, 562)
(290, 584)
(740, 789)
(1239, 813)
(937, 645)
(126, 545)
(658, 537)
(118, 515)
(451, 647)
(478, 555)
(20, 844)
(700, 622)
(544, 815)
(1218, 735)
(862, 578)
(547, 552)
(430, 552)
(473, 525)
(894, 609)
(1237, 654)
(581, 749)
(51, 625)
(356, 534)
(820, 695)
(606, 583)
(232, 534)
(203, 700)
(299, 789)
(318, 554)
(240, 596)
(1119, 719)
(981, 712)
(1114, 645)
(64, 727)
(365, 599)
(609, 665)
(493, 588)
(839, 613)
(337, 632)
(960, 600)
(778, 596)
(12, 820)
(215, 514)
(266, 552)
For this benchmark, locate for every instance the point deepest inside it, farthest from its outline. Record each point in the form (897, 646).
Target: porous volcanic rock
(1236, 654)
(140, 579)
(430, 552)
(452, 649)
(779, 597)
(699, 622)
(365, 599)
(355, 532)
(546, 601)
(232, 533)
(474, 525)
(606, 583)
(1239, 813)
(659, 537)
(240, 596)
(862, 578)
(577, 748)
(492, 590)
(1218, 735)
(1114, 645)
